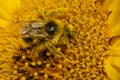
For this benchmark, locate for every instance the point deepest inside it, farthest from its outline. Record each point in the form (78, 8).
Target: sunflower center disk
(82, 57)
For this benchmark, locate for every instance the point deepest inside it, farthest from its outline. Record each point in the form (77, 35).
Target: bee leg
(53, 49)
(36, 51)
(34, 54)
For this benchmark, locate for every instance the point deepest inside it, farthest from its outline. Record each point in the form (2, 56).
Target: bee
(42, 35)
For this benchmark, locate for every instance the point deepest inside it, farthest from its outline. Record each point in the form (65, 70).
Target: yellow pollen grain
(26, 64)
(28, 51)
(15, 72)
(23, 57)
(47, 65)
(35, 74)
(15, 67)
(58, 49)
(48, 54)
(45, 76)
(59, 66)
(23, 78)
(33, 63)
(39, 62)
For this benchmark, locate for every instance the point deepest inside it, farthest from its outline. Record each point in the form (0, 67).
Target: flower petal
(114, 18)
(106, 78)
(111, 72)
(106, 3)
(7, 7)
(114, 61)
(2, 23)
(115, 30)
(115, 49)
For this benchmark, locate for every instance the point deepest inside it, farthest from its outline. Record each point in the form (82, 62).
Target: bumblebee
(42, 35)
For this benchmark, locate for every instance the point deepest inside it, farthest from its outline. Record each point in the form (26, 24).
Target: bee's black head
(51, 27)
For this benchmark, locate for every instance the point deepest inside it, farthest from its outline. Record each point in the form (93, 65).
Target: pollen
(80, 51)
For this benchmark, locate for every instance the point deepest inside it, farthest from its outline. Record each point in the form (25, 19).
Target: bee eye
(51, 27)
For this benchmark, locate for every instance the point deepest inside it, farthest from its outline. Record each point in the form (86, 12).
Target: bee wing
(37, 24)
(40, 35)
(34, 29)
(25, 29)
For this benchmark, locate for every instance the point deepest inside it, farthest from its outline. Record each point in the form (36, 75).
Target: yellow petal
(106, 3)
(111, 72)
(114, 61)
(7, 7)
(2, 23)
(115, 30)
(116, 44)
(113, 4)
(4, 15)
(115, 49)
(106, 78)
(114, 18)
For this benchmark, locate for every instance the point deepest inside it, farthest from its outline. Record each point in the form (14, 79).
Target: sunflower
(59, 40)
